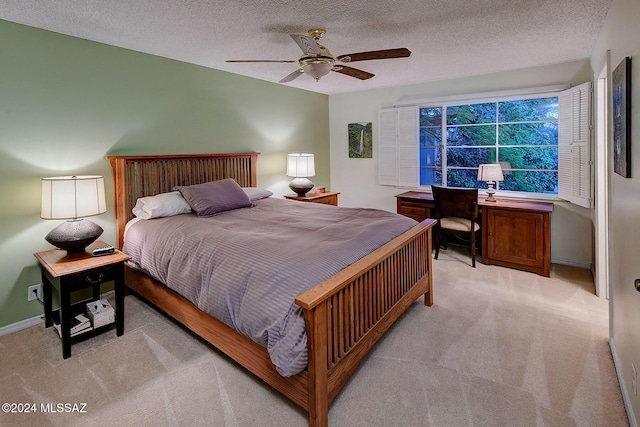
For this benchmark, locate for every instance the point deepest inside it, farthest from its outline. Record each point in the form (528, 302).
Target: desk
(515, 233)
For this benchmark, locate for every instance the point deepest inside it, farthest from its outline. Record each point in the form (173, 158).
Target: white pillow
(164, 204)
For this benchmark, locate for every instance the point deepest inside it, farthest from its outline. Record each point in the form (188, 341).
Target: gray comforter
(245, 267)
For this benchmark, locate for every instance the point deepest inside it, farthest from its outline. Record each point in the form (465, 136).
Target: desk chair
(456, 212)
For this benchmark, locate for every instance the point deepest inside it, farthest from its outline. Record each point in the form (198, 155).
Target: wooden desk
(515, 233)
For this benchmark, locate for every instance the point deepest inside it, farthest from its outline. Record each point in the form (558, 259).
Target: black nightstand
(71, 272)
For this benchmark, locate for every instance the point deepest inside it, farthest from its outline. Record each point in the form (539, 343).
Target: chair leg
(473, 249)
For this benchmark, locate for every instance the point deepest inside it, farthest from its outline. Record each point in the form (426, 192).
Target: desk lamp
(490, 173)
(300, 166)
(73, 198)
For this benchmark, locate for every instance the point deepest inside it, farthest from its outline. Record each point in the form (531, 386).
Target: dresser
(515, 233)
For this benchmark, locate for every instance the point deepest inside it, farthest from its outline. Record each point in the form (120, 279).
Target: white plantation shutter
(387, 146)
(574, 166)
(399, 147)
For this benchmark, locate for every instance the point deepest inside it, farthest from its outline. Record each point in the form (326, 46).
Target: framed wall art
(621, 94)
(360, 140)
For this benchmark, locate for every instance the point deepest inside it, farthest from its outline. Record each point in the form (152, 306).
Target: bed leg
(428, 298)
(316, 320)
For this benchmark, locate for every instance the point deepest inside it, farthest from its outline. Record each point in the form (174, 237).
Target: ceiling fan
(317, 61)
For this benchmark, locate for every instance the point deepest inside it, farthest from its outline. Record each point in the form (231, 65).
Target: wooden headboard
(140, 176)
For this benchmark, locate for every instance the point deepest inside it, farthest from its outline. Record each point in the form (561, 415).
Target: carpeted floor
(499, 347)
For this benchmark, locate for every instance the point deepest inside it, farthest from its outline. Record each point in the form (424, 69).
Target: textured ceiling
(447, 38)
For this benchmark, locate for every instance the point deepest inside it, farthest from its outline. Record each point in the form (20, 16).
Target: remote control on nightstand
(105, 250)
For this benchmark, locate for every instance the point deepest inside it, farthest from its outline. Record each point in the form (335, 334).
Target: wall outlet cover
(35, 292)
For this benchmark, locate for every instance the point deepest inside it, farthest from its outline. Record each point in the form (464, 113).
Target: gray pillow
(213, 197)
(257, 193)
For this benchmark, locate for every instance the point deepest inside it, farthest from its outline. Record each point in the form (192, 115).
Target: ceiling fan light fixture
(317, 68)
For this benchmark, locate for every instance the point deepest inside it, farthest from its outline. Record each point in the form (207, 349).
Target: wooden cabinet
(328, 198)
(515, 233)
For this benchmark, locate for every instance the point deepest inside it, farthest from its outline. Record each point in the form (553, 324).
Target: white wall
(356, 179)
(620, 36)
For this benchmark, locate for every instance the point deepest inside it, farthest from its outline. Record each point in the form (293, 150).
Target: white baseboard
(623, 388)
(23, 324)
(27, 323)
(571, 263)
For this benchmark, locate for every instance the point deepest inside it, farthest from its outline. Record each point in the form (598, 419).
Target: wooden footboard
(348, 313)
(345, 315)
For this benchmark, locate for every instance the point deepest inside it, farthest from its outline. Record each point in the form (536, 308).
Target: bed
(344, 315)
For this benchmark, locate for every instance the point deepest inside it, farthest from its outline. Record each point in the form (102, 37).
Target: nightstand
(68, 273)
(328, 198)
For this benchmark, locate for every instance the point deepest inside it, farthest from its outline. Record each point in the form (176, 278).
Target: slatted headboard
(139, 176)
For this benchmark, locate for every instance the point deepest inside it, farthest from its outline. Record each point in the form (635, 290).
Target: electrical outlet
(35, 292)
(634, 380)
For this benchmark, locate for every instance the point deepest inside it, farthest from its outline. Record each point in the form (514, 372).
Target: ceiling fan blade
(353, 72)
(260, 60)
(307, 44)
(291, 76)
(376, 54)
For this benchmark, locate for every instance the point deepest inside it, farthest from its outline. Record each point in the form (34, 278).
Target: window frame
(485, 99)
(574, 174)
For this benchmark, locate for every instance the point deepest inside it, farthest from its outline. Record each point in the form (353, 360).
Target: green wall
(65, 103)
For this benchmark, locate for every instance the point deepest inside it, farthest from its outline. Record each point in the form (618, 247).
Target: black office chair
(456, 212)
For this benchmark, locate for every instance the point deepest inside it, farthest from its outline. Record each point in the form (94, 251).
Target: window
(522, 135)
(541, 140)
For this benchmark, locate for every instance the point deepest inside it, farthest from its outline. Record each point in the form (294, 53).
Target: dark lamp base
(301, 186)
(74, 236)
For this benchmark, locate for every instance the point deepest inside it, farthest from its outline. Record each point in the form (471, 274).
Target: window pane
(431, 117)
(471, 114)
(431, 136)
(430, 176)
(470, 157)
(471, 135)
(430, 156)
(531, 181)
(465, 178)
(528, 110)
(529, 134)
(529, 157)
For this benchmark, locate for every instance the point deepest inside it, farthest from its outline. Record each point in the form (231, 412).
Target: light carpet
(499, 347)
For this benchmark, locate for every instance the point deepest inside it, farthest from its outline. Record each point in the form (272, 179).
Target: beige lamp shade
(300, 165)
(70, 197)
(490, 172)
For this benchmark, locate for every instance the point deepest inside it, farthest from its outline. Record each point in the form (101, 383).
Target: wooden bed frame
(345, 315)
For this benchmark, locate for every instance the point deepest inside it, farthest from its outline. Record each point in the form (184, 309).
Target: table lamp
(300, 166)
(490, 173)
(73, 198)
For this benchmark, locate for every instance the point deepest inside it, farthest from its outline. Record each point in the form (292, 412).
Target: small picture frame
(621, 104)
(360, 140)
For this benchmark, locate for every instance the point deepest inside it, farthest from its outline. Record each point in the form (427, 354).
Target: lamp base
(301, 186)
(490, 192)
(74, 235)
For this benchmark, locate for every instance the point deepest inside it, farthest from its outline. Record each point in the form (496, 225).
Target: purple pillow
(213, 197)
